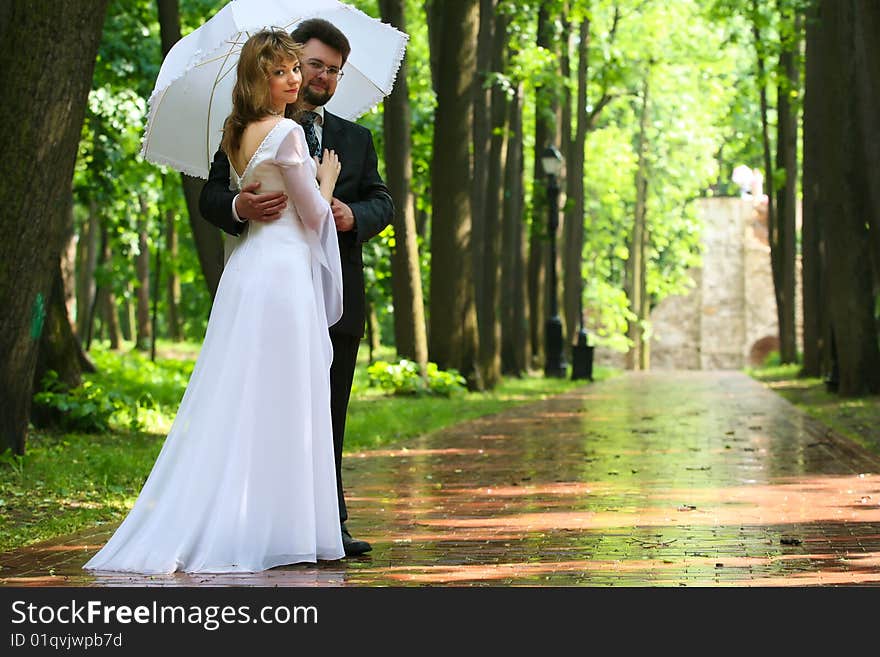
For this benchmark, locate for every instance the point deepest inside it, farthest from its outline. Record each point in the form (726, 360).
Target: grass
(69, 481)
(856, 418)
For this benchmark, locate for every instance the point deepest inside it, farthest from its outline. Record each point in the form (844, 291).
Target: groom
(361, 206)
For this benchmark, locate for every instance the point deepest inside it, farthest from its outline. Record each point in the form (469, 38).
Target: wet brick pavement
(652, 479)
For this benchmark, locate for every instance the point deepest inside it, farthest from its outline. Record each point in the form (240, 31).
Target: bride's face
(285, 79)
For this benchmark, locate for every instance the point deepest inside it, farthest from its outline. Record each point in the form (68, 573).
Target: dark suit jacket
(359, 185)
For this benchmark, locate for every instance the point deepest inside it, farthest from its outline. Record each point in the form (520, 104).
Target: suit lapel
(332, 137)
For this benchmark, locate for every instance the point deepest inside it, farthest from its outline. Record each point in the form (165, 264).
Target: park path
(647, 479)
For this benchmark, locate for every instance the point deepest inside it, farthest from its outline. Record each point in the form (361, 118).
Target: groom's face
(318, 86)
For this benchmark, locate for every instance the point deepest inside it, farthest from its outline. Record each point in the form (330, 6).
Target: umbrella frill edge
(401, 51)
(188, 169)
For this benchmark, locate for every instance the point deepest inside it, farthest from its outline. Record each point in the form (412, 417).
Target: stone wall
(728, 320)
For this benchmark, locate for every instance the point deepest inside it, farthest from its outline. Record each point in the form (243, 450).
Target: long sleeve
(299, 179)
(298, 171)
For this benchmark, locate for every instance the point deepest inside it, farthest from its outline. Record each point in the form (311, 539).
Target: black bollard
(582, 358)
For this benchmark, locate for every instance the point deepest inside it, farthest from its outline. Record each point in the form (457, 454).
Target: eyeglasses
(320, 67)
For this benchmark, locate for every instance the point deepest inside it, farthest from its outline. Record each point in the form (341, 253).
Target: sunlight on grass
(855, 418)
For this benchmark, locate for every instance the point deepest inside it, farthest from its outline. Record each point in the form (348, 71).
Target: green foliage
(86, 408)
(855, 418)
(404, 378)
(15, 462)
(690, 68)
(129, 392)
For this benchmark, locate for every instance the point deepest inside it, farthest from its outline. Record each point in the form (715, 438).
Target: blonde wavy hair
(251, 99)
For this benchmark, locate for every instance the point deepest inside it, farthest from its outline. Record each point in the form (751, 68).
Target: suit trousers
(345, 350)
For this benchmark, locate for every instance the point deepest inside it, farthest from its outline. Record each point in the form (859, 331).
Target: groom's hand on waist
(250, 206)
(342, 215)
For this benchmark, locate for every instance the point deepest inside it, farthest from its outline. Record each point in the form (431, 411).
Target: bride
(246, 479)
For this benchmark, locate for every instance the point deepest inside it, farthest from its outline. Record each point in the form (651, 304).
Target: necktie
(307, 120)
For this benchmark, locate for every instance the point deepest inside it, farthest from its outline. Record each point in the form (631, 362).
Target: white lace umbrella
(193, 93)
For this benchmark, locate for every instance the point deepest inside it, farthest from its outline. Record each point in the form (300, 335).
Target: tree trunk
(175, 329)
(769, 182)
(87, 260)
(129, 317)
(850, 286)
(545, 135)
(110, 318)
(566, 147)
(374, 335)
(783, 238)
(410, 335)
(514, 324)
(645, 308)
(867, 61)
(142, 267)
(68, 268)
(207, 238)
(436, 18)
(39, 134)
(815, 123)
(575, 208)
(488, 260)
(481, 146)
(635, 265)
(59, 349)
(453, 339)
(105, 298)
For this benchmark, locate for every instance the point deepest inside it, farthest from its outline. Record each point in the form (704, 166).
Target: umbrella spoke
(220, 76)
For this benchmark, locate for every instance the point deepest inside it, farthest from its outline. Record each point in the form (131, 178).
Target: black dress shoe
(352, 546)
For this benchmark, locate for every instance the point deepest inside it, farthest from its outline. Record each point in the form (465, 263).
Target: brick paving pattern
(651, 479)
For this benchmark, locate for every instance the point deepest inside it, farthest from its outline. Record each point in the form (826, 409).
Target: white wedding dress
(245, 480)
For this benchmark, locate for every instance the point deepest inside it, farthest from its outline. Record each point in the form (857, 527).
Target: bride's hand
(328, 168)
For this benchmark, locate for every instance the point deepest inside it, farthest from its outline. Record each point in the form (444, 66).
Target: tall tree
(488, 260)
(777, 257)
(104, 300)
(39, 134)
(142, 267)
(480, 154)
(573, 226)
(87, 262)
(815, 122)
(636, 357)
(846, 176)
(453, 338)
(546, 131)
(175, 327)
(208, 240)
(410, 336)
(514, 324)
(783, 242)
(60, 350)
(867, 60)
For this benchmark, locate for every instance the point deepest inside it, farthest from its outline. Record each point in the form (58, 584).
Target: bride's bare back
(254, 135)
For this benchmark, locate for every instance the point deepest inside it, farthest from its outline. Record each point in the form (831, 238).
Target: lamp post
(554, 365)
